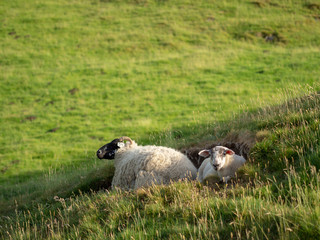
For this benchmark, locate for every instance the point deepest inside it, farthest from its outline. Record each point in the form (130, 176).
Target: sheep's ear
(230, 152)
(204, 153)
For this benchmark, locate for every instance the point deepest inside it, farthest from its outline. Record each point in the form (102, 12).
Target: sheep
(220, 162)
(142, 166)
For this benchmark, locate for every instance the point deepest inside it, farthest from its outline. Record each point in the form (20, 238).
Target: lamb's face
(109, 150)
(217, 156)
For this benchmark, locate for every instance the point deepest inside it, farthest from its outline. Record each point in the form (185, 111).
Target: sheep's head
(109, 150)
(217, 156)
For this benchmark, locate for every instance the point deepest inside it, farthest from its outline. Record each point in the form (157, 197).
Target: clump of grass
(313, 6)
(181, 210)
(64, 184)
(260, 3)
(252, 32)
(293, 133)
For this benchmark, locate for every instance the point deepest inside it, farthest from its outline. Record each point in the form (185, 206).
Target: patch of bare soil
(50, 103)
(240, 143)
(73, 91)
(272, 36)
(29, 118)
(4, 169)
(52, 130)
(313, 6)
(259, 4)
(316, 17)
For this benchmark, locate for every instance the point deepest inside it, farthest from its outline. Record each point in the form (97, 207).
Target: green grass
(275, 195)
(77, 74)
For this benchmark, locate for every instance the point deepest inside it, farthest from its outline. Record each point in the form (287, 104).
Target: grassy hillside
(76, 74)
(275, 195)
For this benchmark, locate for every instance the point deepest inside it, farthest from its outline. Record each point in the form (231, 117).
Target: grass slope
(275, 195)
(76, 74)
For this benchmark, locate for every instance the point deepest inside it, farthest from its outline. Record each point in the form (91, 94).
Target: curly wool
(143, 166)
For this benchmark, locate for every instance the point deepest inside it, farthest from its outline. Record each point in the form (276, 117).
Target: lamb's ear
(230, 152)
(204, 153)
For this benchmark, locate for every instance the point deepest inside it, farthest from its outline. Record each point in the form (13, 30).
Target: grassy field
(77, 74)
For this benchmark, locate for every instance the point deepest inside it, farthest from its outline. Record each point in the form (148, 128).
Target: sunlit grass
(76, 74)
(275, 195)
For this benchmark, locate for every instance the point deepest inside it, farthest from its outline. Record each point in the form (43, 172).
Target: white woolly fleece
(232, 163)
(142, 166)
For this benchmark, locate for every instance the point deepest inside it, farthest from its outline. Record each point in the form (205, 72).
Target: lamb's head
(109, 150)
(217, 156)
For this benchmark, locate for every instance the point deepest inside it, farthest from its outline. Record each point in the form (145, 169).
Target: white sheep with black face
(220, 162)
(142, 166)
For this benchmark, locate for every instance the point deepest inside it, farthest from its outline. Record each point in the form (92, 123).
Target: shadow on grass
(44, 187)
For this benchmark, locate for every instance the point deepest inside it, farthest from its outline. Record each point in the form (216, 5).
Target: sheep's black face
(109, 150)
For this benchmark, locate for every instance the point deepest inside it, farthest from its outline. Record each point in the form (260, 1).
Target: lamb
(142, 166)
(220, 162)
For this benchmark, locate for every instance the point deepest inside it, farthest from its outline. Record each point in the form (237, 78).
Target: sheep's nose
(99, 153)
